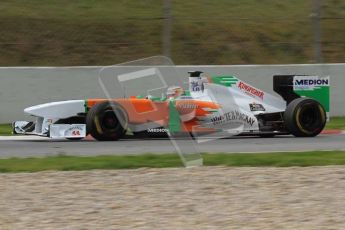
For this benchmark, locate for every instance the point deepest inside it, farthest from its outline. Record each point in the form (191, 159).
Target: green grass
(5, 130)
(88, 32)
(68, 163)
(335, 123)
(86, 163)
(317, 158)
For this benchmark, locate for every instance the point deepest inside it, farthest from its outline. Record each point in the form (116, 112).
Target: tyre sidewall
(95, 126)
(295, 114)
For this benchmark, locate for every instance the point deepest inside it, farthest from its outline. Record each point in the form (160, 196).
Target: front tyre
(107, 121)
(305, 117)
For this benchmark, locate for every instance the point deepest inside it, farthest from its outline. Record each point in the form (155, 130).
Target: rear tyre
(107, 121)
(304, 117)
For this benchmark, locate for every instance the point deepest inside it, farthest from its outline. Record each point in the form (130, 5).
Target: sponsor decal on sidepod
(250, 90)
(233, 116)
(256, 107)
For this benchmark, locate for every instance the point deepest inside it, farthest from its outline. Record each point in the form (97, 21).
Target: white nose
(60, 109)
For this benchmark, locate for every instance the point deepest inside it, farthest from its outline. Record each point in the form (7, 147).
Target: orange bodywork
(141, 110)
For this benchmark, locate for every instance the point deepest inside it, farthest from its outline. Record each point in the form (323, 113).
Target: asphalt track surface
(28, 146)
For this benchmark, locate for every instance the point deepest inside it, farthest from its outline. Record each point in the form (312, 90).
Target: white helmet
(174, 91)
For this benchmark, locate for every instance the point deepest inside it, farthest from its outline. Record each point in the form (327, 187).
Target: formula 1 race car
(211, 104)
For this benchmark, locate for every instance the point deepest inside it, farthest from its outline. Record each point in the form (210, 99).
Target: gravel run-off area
(176, 198)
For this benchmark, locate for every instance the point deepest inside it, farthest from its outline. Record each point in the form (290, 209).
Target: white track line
(22, 138)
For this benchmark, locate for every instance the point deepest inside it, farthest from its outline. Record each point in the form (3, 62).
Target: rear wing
(291, 87)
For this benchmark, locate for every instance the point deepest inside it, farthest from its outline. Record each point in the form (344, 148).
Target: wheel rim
(109, 120)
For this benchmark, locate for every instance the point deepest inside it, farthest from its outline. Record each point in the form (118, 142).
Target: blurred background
(104, 32)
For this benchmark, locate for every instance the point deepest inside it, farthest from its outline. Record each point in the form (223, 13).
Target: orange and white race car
(211, 104)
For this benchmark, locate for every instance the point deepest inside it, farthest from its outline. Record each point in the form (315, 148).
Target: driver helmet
(174, 92)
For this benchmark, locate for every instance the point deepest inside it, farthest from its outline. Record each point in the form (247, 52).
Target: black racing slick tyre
(107, 121)
(304, 117)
